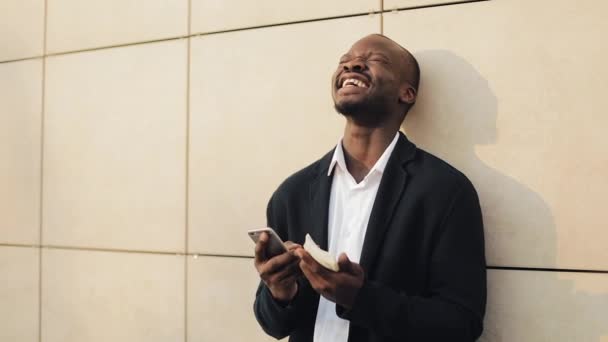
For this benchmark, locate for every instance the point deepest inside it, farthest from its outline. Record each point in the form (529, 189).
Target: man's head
(376, 81)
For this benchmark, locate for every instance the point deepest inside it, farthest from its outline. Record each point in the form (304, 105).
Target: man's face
(365, 86)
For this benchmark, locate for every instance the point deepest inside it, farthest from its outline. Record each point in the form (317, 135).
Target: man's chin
(364, 113)
(350, 108)
(360, 116)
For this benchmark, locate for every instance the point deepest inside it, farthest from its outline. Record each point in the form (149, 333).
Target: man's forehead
(373, 42)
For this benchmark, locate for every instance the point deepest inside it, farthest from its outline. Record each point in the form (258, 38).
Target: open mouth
(351, 82)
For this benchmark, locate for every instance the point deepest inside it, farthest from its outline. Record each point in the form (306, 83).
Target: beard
(369, 112)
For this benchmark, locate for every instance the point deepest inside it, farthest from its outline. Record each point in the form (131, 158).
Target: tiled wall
(139, 140)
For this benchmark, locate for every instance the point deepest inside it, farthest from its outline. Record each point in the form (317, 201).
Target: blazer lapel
(389, 193)
(320, 189)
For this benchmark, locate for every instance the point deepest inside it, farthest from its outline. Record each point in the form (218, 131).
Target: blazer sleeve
(454, 308)
(277, 319)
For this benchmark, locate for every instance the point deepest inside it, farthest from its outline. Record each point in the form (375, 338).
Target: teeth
(353, 82)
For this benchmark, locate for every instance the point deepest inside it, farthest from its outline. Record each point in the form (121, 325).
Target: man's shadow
(455, 112)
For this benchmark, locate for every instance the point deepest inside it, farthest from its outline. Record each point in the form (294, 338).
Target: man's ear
(407, 94)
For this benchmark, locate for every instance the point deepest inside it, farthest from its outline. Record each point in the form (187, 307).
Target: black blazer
(423, 253)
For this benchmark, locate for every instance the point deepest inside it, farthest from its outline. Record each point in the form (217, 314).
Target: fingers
(292, 271)
(260, 248)
(347, 266)
(278, 263)
(268, 267)
(312, 270)
(274, 271)
(309, 265)
(307, 261)
(291, 246)
(303, 255)
(357, 270)
(344, 263)
(321, 284)
(282, 277)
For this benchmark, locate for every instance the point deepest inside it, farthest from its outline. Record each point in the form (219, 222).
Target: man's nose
(354, 65)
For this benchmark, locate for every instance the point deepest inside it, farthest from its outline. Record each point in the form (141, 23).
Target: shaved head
(410, 67)
(376, 82)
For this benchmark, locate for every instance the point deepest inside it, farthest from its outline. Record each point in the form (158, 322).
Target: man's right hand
(280, 272)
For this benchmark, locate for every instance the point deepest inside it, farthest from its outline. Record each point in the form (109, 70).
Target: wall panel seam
(441, 4)
(107, 47)
(41, 165)
(187, 171)
(196, 255)
(246, 28)
(19, 245)
(192, 35)
(21, 59)
(295, 22)
(381, 16)
(544, 269)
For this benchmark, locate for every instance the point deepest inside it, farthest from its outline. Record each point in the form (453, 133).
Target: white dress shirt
(350, 206)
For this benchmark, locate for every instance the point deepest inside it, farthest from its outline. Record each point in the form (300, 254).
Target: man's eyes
(379, 60)
(373, 59)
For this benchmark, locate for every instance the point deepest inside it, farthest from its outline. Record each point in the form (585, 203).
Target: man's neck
(363, 146)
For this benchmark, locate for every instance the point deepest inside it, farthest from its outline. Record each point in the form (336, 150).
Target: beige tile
(515, 99)
(19, 294)
(220, 294)
(20, 122)
(76, 25)
(256, 120)
(106, 296)
(21, 29)
(403, 4)
(209, 15)
(115, 136)
(546, 306)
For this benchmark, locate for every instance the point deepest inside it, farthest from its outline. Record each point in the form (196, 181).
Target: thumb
(344, 263)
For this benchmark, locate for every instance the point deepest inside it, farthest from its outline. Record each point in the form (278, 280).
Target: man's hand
(280, 272)
(339, 287)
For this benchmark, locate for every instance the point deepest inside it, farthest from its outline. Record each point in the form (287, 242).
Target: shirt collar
(338, 157)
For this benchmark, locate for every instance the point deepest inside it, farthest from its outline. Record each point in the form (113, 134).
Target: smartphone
(275, 245)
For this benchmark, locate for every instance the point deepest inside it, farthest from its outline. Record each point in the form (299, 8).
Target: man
(407, 226)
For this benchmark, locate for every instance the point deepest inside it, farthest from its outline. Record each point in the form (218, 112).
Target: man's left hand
(339, 287)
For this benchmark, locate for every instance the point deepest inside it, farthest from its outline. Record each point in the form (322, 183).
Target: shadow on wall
(455, 112)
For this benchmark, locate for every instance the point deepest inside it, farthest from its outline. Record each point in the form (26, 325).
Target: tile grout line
(441, 4)
(192, 35)
(112, 250)
(542, 269)
(195, 255)
(21, 59)
(187, 192)
(107, 47)
(19, 245)
(382, 17)
(40, 203)
(295, 22)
